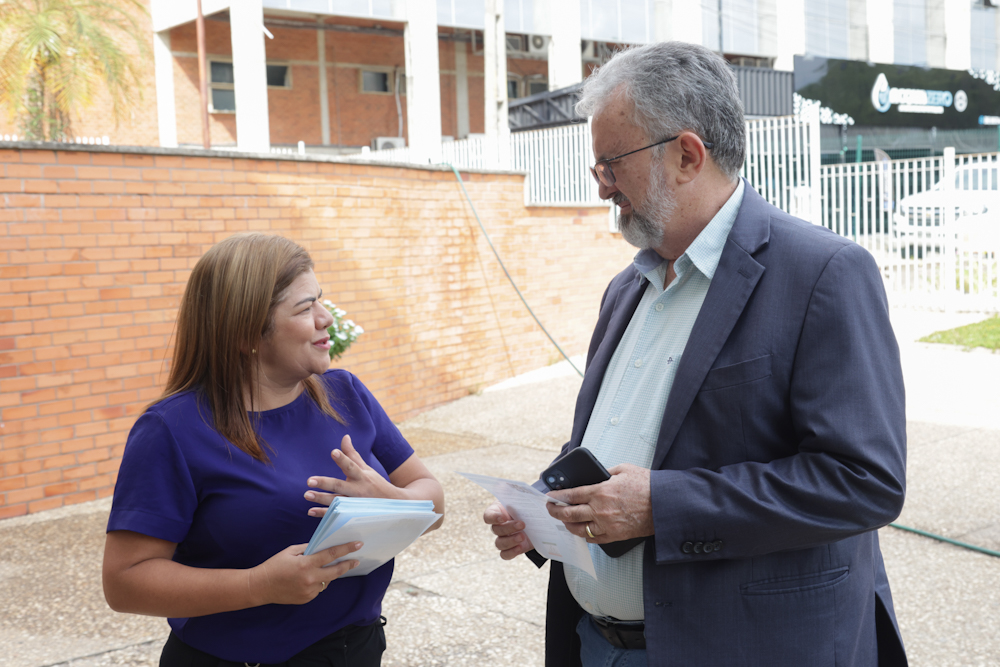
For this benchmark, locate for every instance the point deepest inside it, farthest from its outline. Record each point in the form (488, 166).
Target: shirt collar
(706, 250)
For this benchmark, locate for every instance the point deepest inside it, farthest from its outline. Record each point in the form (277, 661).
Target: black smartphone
(579, 467)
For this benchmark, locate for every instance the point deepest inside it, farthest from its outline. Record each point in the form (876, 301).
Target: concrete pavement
(454, 602)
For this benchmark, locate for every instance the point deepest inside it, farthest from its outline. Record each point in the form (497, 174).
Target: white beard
(645, 229)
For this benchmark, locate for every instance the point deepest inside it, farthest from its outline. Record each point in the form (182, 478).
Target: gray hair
(675, 87)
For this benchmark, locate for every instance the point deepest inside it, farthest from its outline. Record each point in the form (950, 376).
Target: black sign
(898, 95)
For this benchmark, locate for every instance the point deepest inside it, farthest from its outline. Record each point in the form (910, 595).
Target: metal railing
(933, 225)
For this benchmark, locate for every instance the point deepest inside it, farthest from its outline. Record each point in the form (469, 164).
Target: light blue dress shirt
(626, 419)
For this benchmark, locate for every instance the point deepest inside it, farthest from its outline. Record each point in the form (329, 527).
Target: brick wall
(95, 248)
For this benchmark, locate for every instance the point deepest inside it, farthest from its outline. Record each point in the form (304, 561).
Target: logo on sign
(915, 100)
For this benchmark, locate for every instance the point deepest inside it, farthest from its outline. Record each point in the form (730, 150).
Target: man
(743, 387)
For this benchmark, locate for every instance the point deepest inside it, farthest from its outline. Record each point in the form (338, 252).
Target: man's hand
(618, 509)
(511, 539)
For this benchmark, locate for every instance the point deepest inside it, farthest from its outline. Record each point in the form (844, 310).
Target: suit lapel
(733, 283)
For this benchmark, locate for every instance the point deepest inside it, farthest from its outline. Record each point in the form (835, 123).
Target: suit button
(698, 547)
(717, 545)
(709, 547)
(687, 547)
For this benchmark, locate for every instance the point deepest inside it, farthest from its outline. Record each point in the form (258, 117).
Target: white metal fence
(782, 160)
(933, 225)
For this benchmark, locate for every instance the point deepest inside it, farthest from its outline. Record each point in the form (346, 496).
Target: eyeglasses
(602, 170)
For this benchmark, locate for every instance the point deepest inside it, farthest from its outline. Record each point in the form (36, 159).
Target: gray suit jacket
(781, 451)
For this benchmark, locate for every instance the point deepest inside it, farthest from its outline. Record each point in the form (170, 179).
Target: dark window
(375, 82)
(223, 99)
(512, 89)
(277, 76)
(221, 89)
(221, 72)
(535, 87)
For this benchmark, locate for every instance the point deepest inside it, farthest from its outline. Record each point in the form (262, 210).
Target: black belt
(621, 634)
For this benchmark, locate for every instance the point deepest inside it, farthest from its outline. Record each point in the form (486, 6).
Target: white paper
(384, 536)
(548, 535)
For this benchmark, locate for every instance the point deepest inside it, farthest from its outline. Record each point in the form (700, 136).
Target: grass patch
(981, 334)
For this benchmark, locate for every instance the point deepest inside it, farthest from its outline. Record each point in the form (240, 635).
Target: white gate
(933, 225)
(782, 162)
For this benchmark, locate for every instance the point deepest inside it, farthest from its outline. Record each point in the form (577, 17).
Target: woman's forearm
(141, 578)
(427, 488)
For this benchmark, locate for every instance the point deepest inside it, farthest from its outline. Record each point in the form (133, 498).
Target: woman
(211, 511)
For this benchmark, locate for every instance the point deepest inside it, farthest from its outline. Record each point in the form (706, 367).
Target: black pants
(352, 646)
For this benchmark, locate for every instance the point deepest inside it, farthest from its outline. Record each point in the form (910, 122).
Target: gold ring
(322, 586)
(590, 534)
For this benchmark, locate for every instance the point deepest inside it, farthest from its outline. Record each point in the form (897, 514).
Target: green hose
(964, 545)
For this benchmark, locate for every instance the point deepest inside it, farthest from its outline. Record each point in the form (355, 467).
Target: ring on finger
(322, 586)
(590, 534)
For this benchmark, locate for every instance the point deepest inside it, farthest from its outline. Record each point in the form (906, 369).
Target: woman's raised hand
(362, 481)
(291, 577)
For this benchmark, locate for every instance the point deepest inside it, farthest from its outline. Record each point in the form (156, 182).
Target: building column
(565, 58)
(495, 85)
(461, 90)
(166, 111)
(767, 27)
(686, 17)
(996, 27)
(881, 33)
(423, 81)
(957, 34)
(246, 25)
(324, 99)
(791, 33)
(857, 30)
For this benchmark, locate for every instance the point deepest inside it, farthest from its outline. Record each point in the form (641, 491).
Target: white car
(922, 225)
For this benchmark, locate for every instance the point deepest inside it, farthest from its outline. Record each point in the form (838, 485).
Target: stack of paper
(385, 526)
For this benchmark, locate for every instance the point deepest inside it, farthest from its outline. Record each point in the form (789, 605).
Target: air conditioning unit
(388, 143)
(538, 45)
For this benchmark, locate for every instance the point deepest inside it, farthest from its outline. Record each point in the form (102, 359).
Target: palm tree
(55, 54)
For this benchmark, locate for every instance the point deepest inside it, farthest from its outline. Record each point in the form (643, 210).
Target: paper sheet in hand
(386, 527)
(548, 535)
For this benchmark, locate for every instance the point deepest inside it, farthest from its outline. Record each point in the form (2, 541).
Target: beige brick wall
(95, 248)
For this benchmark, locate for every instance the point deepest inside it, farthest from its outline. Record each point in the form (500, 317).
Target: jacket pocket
(796, 584)
(737, 374)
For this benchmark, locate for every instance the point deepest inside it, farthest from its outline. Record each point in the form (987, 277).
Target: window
(739, 25)
(277, 76)
(515, 43)
(827, 28)
(223, 93)
(222, 89)
(374, 82)
(381, 81)
(909, 21)
(984, 38)
(513, 89)
(535, 87)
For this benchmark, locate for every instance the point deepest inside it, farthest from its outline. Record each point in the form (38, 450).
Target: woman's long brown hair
(227, 309)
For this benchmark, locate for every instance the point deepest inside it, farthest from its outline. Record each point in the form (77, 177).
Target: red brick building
(340, 67)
